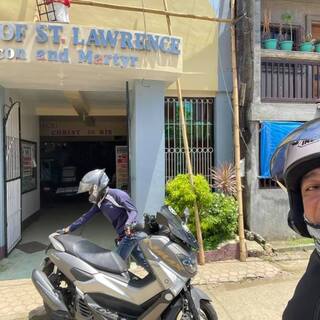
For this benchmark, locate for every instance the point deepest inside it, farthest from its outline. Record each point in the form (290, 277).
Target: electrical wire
(229, 98)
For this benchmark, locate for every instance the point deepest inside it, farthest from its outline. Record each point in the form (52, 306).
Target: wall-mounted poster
(28, 165)
(122, 174)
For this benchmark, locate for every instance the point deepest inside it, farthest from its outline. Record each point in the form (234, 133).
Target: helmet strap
(312, 225)
(283, 188)
(93, 197)
(104, 193)
(314, 231)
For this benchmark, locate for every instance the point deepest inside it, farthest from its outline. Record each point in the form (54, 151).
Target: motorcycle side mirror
(186, 214)
(151, 223)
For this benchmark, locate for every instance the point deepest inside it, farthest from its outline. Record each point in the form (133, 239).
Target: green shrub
(180, 194)
(219, 223)
(218, 212)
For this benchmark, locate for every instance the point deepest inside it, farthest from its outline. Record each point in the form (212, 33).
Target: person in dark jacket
(118, 208)
(296, 164)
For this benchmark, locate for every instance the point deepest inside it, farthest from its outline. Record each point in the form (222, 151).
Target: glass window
(28, 166)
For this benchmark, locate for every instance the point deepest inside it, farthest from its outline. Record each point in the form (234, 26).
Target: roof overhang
(55, 56)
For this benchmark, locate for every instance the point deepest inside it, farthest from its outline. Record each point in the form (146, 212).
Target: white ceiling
(54, 102)
(71, 77)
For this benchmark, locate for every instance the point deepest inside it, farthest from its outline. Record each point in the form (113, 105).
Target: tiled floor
(19, 264)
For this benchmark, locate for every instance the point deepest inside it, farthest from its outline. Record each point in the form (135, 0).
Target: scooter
(80, 280)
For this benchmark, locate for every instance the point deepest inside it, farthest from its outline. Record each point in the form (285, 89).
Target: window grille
(46, 11)
(268, 183)
(199, 121)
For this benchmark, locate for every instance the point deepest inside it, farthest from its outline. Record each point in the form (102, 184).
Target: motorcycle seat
(94, 255)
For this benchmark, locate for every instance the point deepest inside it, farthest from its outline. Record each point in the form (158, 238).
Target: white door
(13, 175)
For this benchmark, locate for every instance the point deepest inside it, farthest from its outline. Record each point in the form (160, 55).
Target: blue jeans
(130, 246)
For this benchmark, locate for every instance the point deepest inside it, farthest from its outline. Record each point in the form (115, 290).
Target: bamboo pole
(148, 10)
(187, 153)
(184, 132)
(236, 126)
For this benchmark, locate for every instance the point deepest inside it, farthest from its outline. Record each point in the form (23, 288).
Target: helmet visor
(308, 132)
(84, 187)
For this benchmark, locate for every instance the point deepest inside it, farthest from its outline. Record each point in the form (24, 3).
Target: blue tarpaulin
(272, 133)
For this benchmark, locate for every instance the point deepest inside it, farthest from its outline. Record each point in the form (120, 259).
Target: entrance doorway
(69, 148)
(63, 136)
(64, 163)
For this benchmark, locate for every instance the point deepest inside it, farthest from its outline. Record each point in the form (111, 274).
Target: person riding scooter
(118, 208)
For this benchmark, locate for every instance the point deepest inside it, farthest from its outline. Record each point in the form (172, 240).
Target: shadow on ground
(38, 314)
(30, 251)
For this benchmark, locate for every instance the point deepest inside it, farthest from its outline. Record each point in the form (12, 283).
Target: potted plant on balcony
(284, 43)
(317, 45)
(268, 42)
(307, 43)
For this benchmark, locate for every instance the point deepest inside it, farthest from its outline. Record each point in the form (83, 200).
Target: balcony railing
(286, 80)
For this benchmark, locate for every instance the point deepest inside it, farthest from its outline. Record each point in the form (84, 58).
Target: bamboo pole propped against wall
(236, 126)
(148, 10)
(236, 133)
(187, 154)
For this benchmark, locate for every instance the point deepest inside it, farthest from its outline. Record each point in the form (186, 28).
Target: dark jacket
(305, 303)
(119, 217)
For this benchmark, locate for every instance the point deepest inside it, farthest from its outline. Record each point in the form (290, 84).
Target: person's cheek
(312, 208)
(317, 209)
(307, 208)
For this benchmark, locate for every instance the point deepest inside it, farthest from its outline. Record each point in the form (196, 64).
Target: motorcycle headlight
(189, 262)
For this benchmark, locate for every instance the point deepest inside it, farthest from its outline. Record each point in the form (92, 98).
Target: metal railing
(199, 121)
(290, 81)
(268, 183)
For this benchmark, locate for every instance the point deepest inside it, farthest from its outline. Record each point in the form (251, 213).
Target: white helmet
(95, 182)
(298, 154)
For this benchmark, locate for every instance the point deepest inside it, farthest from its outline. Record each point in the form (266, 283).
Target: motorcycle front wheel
(207, 312)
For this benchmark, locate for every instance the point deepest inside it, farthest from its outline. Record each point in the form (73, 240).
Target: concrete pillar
(223, 132)
(2, 179)
(146, 144)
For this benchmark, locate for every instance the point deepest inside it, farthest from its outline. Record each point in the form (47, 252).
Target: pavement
(20, 300)
(229, 283)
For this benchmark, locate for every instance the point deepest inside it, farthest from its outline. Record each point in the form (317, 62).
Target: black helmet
(297, 154)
